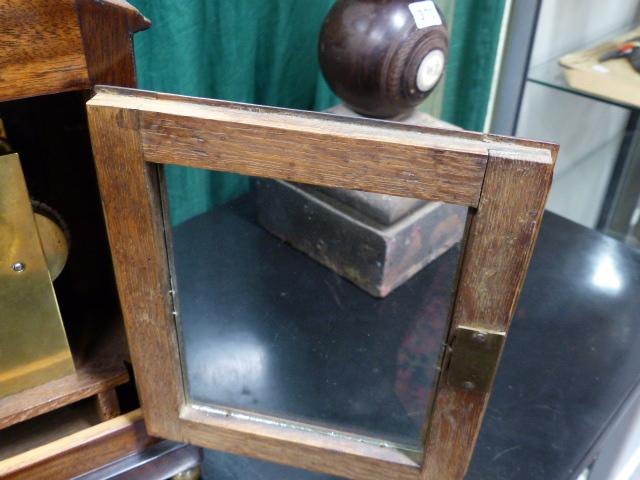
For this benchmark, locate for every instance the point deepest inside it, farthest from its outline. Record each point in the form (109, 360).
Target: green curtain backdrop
(475, 36)
(241, 50)
(265, 52)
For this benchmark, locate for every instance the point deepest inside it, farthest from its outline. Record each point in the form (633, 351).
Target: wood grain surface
(107, 405)
(305, 447)
(80, 452)
(107, 34)
(57, 46)
(41, 48)
(322, 149)
(88, 380)
(136, 233)
(498, 246)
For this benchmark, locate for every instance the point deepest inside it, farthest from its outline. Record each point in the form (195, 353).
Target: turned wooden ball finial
(383, 57)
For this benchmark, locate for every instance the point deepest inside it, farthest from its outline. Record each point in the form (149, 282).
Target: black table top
(571, 362)
(570, 366)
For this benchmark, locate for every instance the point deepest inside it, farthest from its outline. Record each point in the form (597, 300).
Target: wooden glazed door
(503, 181)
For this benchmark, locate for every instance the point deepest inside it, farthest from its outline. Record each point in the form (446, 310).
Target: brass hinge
(474, 359)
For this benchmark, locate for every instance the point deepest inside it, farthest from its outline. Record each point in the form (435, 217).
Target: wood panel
(41, 48)
(80, 452)
(501, 239)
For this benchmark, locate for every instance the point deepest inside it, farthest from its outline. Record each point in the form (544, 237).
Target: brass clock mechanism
(34, 245)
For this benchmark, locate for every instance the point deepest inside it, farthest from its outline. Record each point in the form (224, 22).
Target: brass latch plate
(474, 359)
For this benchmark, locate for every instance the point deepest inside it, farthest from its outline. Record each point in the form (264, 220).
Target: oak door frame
(504, 180)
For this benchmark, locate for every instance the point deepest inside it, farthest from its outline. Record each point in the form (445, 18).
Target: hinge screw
(479, 337)
(469, 385)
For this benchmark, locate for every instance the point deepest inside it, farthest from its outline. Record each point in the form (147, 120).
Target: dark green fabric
(475, 36)
(251, 51)
(265, 52)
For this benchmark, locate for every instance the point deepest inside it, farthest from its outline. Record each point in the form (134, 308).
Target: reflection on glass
(266, 329)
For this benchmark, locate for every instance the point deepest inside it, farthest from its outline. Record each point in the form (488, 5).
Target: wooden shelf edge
(89, 379)
(81, 452)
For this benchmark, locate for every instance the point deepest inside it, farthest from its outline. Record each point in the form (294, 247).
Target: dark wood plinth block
(374, 256)
(376, 241)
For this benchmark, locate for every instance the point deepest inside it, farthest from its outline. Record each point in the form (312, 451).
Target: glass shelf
(617, 212)
(550, 73)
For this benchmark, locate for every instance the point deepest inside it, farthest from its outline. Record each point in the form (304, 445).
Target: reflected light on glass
(606, 275)
(247, 363)
(240, 364)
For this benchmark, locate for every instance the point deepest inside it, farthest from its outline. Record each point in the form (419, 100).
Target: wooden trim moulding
(81, 452)
(57, 46)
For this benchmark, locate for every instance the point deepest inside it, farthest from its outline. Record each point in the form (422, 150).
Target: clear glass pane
(267, 326)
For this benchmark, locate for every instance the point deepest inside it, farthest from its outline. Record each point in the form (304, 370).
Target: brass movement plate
(474, 359)
(33, 344)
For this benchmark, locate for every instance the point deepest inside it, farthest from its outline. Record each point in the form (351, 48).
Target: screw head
(479, 337)
(19, 267)
(469, 385)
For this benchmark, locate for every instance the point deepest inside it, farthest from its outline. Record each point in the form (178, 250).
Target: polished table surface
(571, 362)
(570, 367)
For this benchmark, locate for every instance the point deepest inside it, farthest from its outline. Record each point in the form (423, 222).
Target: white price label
(425, 14)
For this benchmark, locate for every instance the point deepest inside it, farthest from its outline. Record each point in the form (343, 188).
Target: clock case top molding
(52, 47)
